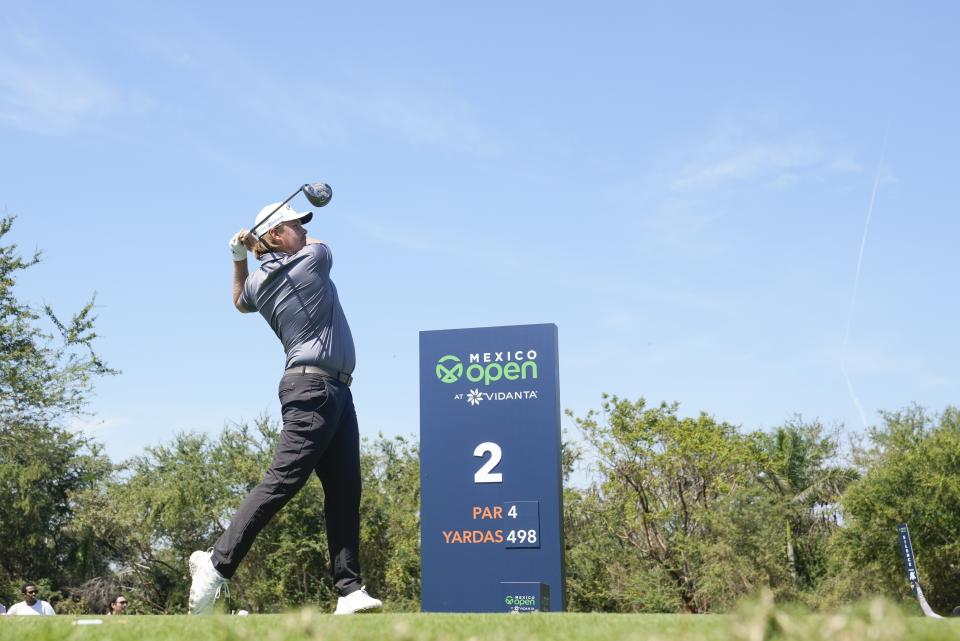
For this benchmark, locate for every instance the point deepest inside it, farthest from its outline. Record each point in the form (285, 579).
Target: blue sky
(682, 188)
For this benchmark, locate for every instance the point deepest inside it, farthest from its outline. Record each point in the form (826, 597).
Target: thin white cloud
(44, 90)
(778, 163)
(678, 211)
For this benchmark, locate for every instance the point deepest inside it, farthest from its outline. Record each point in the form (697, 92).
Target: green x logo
(453, 372)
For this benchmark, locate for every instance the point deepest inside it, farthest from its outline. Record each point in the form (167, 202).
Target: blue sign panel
(491, 517)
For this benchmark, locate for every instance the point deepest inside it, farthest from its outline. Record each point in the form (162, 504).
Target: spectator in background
(118, 605)
(31, 605)
(3, 609)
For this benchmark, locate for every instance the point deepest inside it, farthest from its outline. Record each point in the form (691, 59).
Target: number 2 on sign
(485, 473)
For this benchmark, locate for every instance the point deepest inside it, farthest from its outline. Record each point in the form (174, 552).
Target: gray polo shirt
(296, 296)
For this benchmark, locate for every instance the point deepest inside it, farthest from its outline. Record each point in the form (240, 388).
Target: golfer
(292, 290)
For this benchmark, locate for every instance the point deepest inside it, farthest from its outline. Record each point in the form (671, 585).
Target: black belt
(329, 373)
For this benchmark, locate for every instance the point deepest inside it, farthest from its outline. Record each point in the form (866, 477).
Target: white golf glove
(237, 247)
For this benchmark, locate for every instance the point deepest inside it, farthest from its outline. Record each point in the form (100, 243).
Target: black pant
(319, 435)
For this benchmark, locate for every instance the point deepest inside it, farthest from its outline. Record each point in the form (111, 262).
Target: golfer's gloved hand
(237, 247)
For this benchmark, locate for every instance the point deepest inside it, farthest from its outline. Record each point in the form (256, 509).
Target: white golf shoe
(206, 585)
(357, 602)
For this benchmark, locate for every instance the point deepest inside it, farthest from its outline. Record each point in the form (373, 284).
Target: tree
(680, 497)
(45, 379)
(178, 497)
(390, 520)
(42, 468)
(803, 471)
(911, 474)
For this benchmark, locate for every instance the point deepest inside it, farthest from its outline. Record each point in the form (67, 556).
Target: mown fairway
(877, 622)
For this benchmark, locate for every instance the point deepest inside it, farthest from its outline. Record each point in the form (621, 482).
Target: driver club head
(319, 194)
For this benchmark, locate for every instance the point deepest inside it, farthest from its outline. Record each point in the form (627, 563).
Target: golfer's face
(293, 236)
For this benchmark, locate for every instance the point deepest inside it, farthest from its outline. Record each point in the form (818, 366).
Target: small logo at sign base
(474, 397)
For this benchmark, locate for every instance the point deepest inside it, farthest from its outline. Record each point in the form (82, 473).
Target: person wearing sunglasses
(31, 604)
(118, 605)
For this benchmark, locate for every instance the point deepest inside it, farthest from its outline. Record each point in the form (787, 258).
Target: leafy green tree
(42, 468)
(157, 509)
(803, 470)
(179, 496)
(682, 500)
(911, 474)
(46, 377)
(604, 572)
(390, 520)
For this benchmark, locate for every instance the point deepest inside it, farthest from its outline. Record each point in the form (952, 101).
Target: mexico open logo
(520, 601)
(451, 373)
(489, 367)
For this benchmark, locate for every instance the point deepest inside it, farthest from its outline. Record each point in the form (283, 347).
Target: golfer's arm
(240, 274)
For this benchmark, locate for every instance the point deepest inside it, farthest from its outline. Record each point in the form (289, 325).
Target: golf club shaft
(289, 198)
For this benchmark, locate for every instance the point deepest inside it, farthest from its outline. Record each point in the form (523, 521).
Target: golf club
(319, 194)
(910, 567)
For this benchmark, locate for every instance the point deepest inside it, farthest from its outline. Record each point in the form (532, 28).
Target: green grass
(878, 621)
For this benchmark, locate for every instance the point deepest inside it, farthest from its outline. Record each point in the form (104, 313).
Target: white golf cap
(267, 220)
